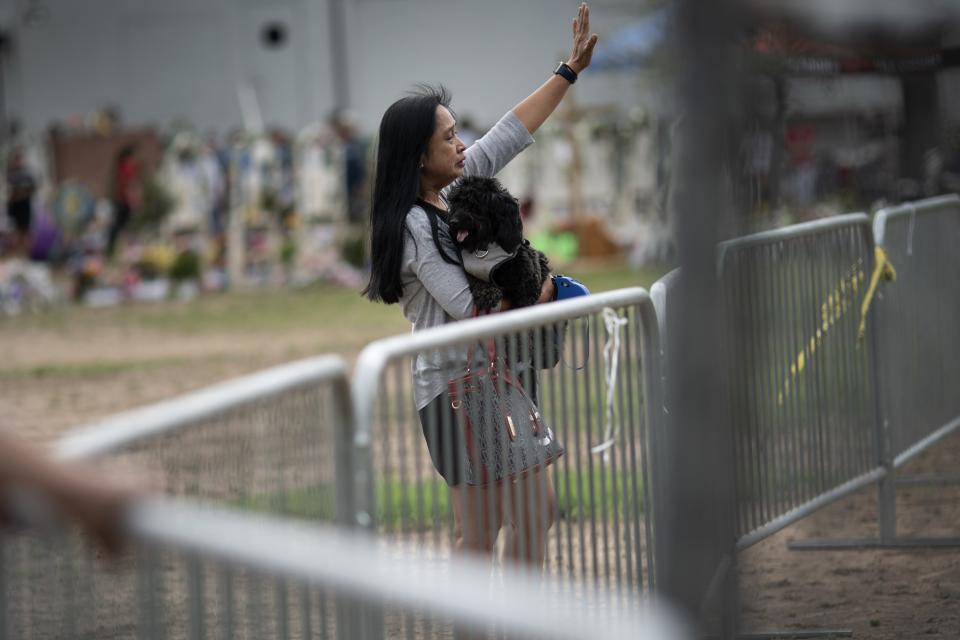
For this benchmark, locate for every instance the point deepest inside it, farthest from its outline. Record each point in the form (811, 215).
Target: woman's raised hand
(537, 107)
(583, 40)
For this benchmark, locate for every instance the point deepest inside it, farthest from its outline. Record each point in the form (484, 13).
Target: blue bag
(566, 287)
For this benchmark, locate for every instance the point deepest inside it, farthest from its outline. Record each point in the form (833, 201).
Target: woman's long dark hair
(405, 132)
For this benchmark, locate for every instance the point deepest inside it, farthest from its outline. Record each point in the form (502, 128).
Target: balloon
(73, 208)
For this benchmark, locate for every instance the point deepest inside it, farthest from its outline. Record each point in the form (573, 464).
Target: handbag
(505, 436)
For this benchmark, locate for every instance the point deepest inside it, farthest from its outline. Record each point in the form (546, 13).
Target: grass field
(420, 506)
(340, 320)
(69, 365)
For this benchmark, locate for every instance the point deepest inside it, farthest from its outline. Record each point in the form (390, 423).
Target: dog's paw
(486, 296)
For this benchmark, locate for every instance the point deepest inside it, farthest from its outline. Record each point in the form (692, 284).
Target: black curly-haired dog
(483, 212)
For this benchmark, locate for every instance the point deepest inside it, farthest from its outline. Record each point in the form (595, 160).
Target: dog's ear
(509, 227)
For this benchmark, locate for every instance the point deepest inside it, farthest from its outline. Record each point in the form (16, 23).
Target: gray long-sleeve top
(436, 292)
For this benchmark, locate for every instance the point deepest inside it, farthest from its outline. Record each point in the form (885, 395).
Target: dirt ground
(878, 594)
(49, 382)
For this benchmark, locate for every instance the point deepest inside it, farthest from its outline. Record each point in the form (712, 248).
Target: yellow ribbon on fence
(835, 306)
(882, 268)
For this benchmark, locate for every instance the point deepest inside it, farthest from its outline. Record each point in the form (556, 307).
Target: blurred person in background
(21, 187)
(343, 123)
(419, 156)
(213, 171)
(126, 193)
(92, 501)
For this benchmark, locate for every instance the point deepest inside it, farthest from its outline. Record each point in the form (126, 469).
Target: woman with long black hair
(414, 263)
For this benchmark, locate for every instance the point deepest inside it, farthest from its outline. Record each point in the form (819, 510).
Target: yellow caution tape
(881, 269)
(836, 305)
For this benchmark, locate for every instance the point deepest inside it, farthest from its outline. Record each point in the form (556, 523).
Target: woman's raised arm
(537, 107)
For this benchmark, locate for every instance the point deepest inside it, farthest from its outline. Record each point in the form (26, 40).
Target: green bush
(186, 266)
(288, 252)
(156, 204)
(353, 248)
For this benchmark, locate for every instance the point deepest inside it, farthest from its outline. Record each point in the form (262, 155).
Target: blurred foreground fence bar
(277, 557)
(274, 441)
(231, 574)
(306, 561)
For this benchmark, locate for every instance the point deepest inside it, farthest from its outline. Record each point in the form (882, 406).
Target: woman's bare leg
(532, 510)
(477, 518)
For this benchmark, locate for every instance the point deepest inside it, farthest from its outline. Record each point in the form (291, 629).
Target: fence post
(654, 385)
(344, 429)
(367, 618)
(886, 488)
(349, 613)
(689, 536)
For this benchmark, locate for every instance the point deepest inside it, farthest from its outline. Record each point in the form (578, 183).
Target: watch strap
(566, 72)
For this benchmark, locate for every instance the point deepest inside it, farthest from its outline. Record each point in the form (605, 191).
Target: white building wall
(185, 58)
(490, 54)
(179, 58)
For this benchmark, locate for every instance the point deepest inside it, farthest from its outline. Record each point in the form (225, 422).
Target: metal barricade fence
(254, 576)
(804, 393)
(803, 386)
(920, 314)
(804, 396)
(274, 441)
(592, 365)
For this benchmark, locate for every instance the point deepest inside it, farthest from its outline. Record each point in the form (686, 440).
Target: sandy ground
(47, 386)
(883, 594)
(51, 382)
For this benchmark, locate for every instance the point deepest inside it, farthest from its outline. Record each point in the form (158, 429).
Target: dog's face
(482, 212)
(470, 228)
